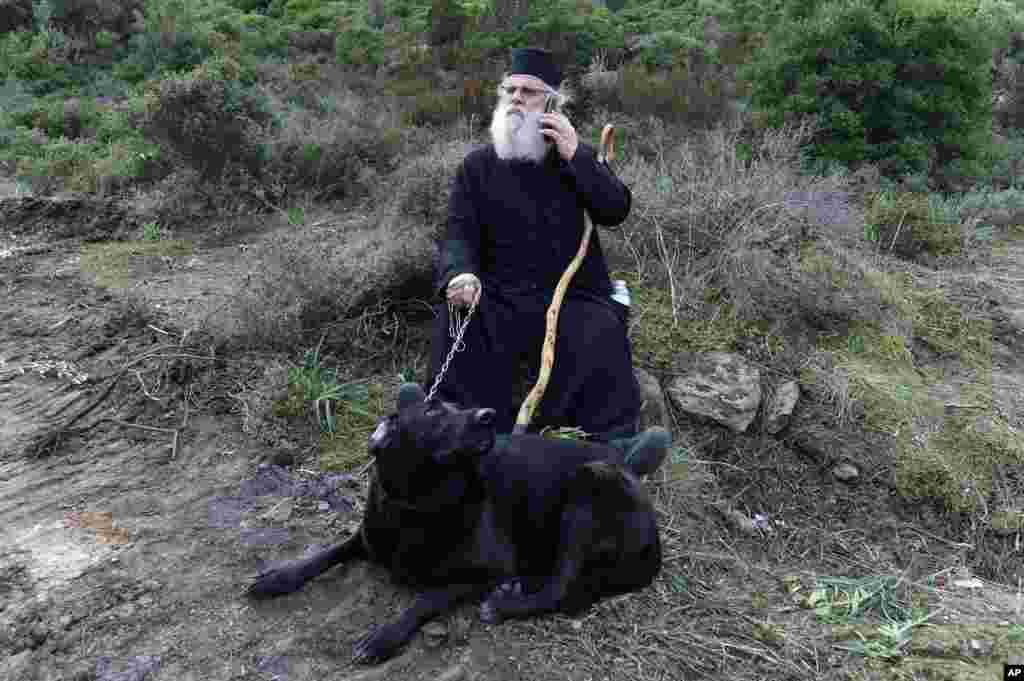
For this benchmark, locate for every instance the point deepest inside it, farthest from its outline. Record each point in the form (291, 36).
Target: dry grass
(316, 279)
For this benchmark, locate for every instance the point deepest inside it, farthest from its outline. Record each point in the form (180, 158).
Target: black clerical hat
(533, 61)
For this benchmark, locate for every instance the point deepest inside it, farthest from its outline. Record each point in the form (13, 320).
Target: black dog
(533, 524)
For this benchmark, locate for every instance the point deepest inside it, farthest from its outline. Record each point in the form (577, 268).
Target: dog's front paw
(492, 609)
(378, 645)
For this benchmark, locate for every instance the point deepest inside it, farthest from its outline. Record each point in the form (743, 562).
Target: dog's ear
(409, 393)
(381, 437)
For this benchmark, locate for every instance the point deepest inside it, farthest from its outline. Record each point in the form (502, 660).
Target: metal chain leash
(455, 329)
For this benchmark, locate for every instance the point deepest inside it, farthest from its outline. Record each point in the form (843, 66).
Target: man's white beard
(516, 135)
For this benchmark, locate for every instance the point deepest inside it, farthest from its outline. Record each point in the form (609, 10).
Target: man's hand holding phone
(555, 127)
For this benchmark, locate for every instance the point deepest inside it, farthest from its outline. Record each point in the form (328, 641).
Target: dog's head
(426, 442)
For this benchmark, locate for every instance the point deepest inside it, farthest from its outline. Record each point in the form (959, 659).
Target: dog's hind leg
(292, 576)
(512, 597)
(384, 641)
(608, 545)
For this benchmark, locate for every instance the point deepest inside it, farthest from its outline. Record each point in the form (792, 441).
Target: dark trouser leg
(592, 385)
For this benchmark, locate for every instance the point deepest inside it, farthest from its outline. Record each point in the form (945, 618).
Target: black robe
(517, 225)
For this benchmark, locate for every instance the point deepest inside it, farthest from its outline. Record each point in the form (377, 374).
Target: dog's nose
(486, 417)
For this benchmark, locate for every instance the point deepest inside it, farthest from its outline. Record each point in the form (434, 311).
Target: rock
(653, 410)
(845, 472)
(976, 647)
(454, 673)
(779, 409)
(813, 433)
(721, 386)
(15, 15)
(434, 634)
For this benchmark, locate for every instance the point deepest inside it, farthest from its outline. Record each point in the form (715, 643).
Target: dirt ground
(152, 589)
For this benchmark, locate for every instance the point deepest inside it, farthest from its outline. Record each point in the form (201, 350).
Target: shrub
(104, 39)
(210, 123)
(254, 6)
(910, 224)
(331, 157)
(376, 14)
(907, 89)
(129, 72)
(86, 17)
(359, 46)
(308, 279)
(14, 98)
(152, 56)
(447, 22)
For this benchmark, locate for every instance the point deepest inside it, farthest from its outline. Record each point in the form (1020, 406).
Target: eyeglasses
(528, 92)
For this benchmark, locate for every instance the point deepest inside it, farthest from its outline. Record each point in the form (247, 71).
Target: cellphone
(549, 107)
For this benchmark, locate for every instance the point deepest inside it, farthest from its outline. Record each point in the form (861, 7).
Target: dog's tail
(292, 576)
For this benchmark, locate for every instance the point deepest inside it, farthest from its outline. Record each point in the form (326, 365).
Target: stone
(721, 386)
(653, 410)
(976, 647)
(434, 634)
(779, 409)
(454, 673)
(845, 472)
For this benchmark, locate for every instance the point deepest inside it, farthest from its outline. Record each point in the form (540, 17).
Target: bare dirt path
(122, 557)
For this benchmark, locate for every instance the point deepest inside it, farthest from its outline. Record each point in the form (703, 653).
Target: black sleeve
(460, 249)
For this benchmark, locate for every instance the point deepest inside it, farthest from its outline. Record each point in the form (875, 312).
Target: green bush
(359, 46)
(447, 22)
(26, 56)
(104, 39)
(150, 57)
(908, 90)
(14, 99)
(254, 6)
(130, 72)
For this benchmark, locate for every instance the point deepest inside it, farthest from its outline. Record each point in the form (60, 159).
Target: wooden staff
(547, 355)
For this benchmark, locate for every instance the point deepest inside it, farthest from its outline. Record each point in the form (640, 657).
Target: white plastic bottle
(620, 293)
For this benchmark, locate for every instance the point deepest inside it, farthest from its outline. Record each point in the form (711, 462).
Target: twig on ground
(50, 441)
